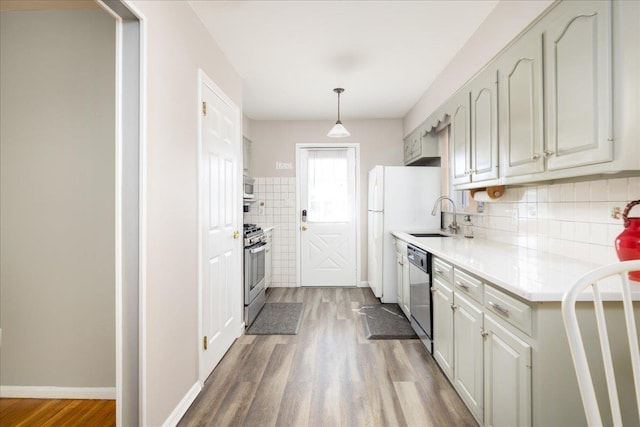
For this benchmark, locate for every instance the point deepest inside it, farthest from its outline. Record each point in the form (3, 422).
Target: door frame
(130, 209)
(303, 146)
(204, 79)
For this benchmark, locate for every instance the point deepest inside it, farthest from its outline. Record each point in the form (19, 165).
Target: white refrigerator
(400, 199)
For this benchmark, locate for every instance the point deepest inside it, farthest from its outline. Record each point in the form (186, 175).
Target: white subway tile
(613, 231)
(554, 193)
(567, 230)
(567, 192)
(598, 234)
(582, 232)
(543, 193)
(582, 191)
(543, 227)
(598, 190)
(582, 251)
(531, 194)
(598, 212)
(581, 211)
(555, 228)
(567, 211)
(633, 189)
(617, 189)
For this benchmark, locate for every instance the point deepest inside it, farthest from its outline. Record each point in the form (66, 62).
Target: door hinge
(204, 108)
(204, 342)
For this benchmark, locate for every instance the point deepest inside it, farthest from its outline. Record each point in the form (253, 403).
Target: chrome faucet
(453, 227)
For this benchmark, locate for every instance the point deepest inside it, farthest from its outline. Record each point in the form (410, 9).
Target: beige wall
(57, 134)
(177, 45)
(380, 144)
(505, 22)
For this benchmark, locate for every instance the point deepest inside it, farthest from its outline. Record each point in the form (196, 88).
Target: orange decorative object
(628, 242)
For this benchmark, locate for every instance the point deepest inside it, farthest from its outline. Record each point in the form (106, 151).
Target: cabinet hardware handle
(484, 333)
(462, 285)
(548, 153)
(433, 289)
(439, 271)
(453, 306)
(536, 156)
(499, 309)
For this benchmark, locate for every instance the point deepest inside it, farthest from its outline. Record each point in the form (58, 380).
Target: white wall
(380, 144)
(504, 23)
(57, 136)
(177, 45)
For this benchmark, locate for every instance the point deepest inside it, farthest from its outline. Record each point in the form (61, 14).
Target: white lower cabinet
(443, 326)
(468, 354)
(402, 278)
(507, 377)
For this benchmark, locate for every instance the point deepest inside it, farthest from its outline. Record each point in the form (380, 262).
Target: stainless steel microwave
(248, 188)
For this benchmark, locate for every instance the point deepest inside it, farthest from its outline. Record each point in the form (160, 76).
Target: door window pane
(328, 186)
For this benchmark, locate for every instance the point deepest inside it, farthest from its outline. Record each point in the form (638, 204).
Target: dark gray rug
(277, 318)
(386, 322)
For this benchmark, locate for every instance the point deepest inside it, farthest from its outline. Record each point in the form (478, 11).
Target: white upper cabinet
(484, 126)
(578, 93)
(562, 101)
(521, 110)
(460, 139)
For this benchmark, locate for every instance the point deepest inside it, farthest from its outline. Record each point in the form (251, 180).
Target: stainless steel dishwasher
(420, 299)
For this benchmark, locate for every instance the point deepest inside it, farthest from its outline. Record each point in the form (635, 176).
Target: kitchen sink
(429, 235)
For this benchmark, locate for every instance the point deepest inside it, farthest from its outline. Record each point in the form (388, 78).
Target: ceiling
(291, 54)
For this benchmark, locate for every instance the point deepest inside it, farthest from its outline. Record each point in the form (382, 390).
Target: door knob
(303, 228)
(236, 234)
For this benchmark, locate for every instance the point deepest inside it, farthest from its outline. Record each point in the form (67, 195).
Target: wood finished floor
(327, 375)
(57, 412)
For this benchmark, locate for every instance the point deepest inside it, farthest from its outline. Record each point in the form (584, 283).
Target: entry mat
(386, 322)
(281, 318)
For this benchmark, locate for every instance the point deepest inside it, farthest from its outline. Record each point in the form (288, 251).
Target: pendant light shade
(338, 130)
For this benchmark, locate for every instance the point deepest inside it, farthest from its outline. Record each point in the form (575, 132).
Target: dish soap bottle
(467, 227)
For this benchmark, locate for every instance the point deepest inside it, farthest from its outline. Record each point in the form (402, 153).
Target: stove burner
(252, 234)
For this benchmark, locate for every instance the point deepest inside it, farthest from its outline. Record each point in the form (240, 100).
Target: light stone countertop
(532, 275)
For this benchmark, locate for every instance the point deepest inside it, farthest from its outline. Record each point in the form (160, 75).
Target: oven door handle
(256, 250)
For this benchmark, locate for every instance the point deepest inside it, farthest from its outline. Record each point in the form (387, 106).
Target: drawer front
(443, 269)
(508, 308)
(467, 284)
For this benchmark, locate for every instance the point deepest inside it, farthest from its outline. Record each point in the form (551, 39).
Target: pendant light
(338, 130)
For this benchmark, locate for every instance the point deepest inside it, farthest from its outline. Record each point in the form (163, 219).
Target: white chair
(576, 345)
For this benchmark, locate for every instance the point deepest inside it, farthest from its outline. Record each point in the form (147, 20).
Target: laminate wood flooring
(327, 375)
(57, 412)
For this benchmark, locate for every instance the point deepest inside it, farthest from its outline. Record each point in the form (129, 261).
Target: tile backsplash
(577, 220)
(275, 206)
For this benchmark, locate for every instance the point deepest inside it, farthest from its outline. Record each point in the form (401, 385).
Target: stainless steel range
(254, 272)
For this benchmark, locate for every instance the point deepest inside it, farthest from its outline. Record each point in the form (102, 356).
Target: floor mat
(386, 321)
(277, 319)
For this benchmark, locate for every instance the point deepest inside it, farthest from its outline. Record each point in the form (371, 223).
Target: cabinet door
(246, 157)
(460, 144)
(399, 277)
(507, 370)
(521, 108)
(467, 345)
(484, 126)
(443, 326)
(578, 93)
(408, 154)
(406, 291)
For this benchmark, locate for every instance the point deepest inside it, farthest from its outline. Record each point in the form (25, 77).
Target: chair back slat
(632, 333)
(576, 344)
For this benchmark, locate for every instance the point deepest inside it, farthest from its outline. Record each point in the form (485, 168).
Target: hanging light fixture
(338, 130)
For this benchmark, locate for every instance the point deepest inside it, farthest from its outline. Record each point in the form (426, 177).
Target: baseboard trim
(363, 284)
(182, 407)
(50, 392)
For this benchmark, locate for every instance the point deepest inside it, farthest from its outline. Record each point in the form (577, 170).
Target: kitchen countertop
(533, 275)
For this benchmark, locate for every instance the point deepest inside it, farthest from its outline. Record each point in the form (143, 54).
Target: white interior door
(327, 184)
(221, 250)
